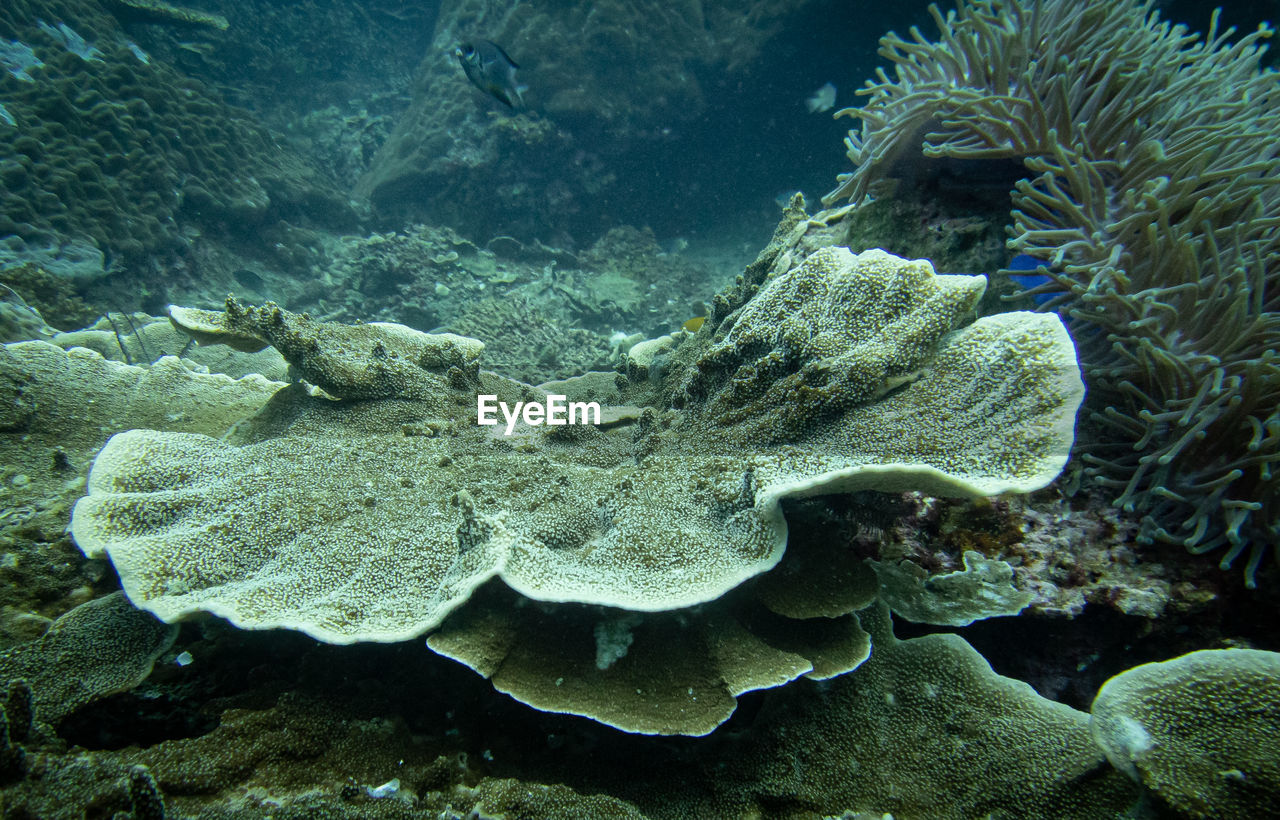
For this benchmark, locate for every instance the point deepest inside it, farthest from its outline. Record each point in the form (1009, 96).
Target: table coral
(917, 406)
(836, 331)
(60, 406)
(676, 673)
(376, 516)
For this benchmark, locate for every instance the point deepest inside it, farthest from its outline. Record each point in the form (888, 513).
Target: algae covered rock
(983, 589)
(373, 361)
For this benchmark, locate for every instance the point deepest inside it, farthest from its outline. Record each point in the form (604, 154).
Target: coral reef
(545, 313)
(16, 720)
(538, 345)
(867, 337)
(687, 609)
(18, 320)
(145, 795)
(143, 340)
(61, 405)
(899, 734)
(125, 153)
(421, 276)
(329, 78)
(305, 755)
(1149, 197)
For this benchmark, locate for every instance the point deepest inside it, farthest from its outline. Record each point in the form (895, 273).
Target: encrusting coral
(376, 516)
(1199, 732)
(904, 733)
(1151, 203)
(99, 648)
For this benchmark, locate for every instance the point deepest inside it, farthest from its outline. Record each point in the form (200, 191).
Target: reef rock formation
(631, 77)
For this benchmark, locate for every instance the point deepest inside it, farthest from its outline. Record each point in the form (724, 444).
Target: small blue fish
(490, 69)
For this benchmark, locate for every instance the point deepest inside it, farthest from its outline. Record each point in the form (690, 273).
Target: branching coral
(1151, 200)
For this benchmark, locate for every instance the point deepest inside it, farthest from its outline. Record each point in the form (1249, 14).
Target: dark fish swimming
(490, 69)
